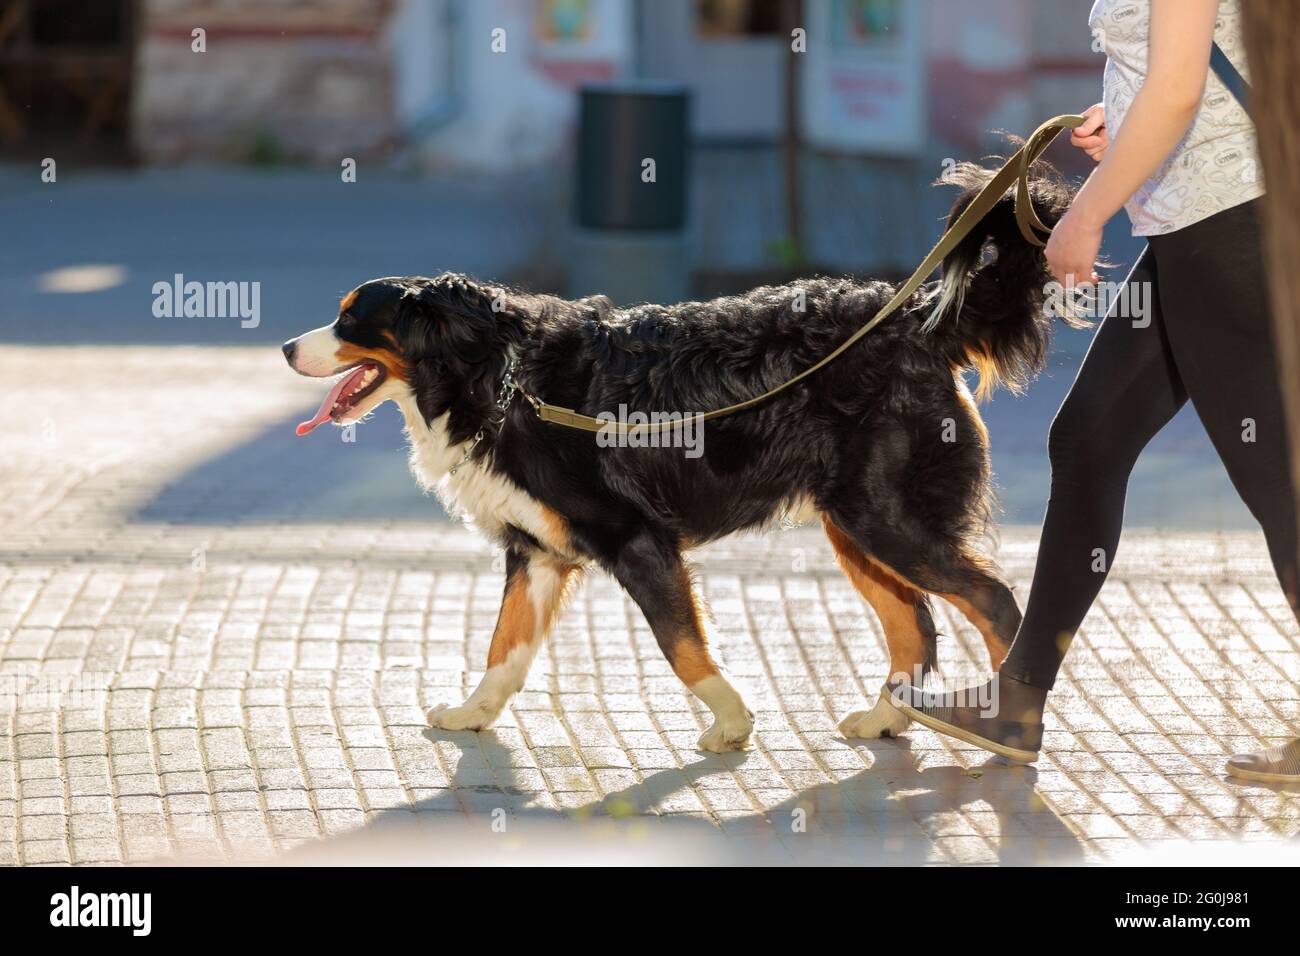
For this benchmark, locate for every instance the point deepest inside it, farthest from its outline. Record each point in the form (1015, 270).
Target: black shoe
(1003, 716)
(1278, 765)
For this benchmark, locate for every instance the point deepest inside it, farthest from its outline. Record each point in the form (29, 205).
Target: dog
(885, 445)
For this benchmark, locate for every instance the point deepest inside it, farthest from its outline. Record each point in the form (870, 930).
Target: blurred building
(490, 81)
(275, 79)
(885, 92)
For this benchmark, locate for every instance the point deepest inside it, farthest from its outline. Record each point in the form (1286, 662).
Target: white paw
(883, 720)
(467, 716)
(729, 734)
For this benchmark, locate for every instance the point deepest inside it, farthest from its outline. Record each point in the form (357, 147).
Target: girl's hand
(1091, 137)
(1072, 250)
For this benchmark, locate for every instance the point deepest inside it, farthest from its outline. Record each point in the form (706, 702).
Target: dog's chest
(490, 501)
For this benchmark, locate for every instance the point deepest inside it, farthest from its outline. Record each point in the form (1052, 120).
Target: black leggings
(1210, 338)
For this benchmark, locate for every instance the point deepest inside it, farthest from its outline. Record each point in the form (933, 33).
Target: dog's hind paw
(727, 735)
(883, 720)
(464, 717)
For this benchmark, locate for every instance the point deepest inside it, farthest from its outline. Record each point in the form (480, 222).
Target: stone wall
(280, 80)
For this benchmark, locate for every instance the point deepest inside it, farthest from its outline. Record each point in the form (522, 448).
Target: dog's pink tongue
(320, 418)
(323, 413)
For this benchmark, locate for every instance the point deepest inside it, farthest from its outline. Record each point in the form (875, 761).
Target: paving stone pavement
(218, 643)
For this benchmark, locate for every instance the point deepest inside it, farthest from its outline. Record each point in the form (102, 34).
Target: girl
(1183, 164)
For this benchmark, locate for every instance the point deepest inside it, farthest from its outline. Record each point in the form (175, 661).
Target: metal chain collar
(505, 395)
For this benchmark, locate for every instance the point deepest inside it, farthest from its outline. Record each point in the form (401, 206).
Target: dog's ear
(455, 315)
(415, 323)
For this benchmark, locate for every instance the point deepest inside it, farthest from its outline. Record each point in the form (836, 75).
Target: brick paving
(201, 660)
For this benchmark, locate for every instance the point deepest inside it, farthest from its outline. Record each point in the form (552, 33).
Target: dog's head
(432, 340)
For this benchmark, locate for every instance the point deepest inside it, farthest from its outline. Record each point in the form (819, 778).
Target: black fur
(1002, 327)
(863, 438)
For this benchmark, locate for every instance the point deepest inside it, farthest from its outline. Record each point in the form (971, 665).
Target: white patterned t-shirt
(1216, 164)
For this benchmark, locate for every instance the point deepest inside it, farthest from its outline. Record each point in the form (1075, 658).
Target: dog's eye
(346, 321)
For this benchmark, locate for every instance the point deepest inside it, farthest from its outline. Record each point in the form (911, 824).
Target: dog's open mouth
(348, 392)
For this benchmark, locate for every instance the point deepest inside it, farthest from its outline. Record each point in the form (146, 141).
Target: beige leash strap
(1014, 171)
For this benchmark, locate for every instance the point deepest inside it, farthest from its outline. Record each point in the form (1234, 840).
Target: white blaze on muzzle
(316, 352)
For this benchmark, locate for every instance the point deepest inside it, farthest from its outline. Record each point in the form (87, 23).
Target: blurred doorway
(731, 53)
(65, 78)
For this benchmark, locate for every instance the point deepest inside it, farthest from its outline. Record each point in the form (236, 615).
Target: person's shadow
(890, 813)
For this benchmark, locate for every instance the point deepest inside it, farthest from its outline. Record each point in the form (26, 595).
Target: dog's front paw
(467, 716)
(883, 720)
(729, 734)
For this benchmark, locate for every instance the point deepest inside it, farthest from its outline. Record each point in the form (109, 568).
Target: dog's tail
(987, 309)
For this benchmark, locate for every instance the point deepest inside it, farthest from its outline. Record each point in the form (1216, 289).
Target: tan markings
(689, 652)
(992, 640)
(893, 599)
(349, 354)
(964, 396)
(980, 357)
(547, 604)
(348, 300)
(557, 532)
(691, 662)
(517, 622)
(532, 601)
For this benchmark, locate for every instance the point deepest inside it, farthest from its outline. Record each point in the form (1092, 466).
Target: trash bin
(630, 210)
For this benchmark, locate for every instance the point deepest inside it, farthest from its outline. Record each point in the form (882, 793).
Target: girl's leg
(1126, 391)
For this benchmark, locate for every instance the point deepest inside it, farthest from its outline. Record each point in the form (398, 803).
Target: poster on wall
(578, 41)
(862, 83)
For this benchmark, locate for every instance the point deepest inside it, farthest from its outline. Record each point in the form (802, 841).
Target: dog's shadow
(891, 813)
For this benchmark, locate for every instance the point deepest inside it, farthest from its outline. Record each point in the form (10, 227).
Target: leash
(1014, 171)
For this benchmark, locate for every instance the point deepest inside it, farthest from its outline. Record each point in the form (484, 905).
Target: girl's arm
(1178, 62)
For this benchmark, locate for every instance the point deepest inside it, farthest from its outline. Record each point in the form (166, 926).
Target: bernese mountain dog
(885, 445)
